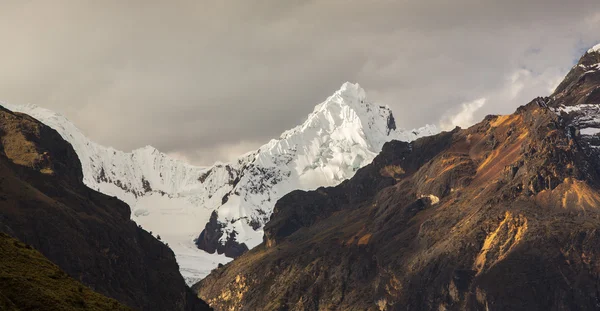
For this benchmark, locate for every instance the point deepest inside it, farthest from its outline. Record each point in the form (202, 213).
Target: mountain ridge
(502, 215)
(341, 134)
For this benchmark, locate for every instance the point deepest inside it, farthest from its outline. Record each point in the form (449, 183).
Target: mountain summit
(223, 208)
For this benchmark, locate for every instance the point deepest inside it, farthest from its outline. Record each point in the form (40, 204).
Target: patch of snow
(569, 109)
(595, 48)
(590, 68)
(141, 212)
(586, 119)
(589, 131)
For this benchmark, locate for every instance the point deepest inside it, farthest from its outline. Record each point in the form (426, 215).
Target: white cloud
(465, 117)
(517, 83)
(518, 88)
(222, 153)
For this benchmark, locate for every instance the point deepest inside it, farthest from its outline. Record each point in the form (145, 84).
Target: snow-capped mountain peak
(234, 200)
(351, 92)
(348, 108)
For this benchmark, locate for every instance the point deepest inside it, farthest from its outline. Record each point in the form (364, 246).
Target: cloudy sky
(208, 80)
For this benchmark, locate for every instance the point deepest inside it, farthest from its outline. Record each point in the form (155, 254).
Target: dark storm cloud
(208, 80)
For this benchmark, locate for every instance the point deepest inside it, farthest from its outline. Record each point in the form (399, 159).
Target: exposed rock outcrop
(210, 239)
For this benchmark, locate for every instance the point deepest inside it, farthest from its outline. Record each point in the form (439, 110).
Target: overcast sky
(209, 80)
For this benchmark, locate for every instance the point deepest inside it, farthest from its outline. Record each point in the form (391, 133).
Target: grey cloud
(204, 80)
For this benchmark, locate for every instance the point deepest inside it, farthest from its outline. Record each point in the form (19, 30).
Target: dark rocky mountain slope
(29, 281)
(44, 203)
(503, 215)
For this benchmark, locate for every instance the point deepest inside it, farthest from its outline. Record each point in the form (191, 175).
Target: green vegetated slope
(29, 281)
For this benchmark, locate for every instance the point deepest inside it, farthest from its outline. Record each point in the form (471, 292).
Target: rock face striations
(89, 235)
(503, 215)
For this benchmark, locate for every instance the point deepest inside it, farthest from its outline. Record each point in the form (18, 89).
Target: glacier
(174, 199)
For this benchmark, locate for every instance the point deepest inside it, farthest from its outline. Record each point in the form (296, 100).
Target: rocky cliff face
(89, 235)
(500, 216)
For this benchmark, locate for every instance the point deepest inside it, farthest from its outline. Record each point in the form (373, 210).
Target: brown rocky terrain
(44, 203)
(503, 215)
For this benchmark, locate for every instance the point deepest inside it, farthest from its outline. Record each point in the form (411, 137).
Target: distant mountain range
(222, 209)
